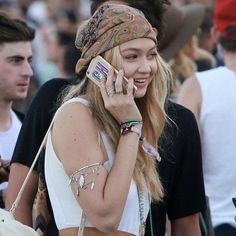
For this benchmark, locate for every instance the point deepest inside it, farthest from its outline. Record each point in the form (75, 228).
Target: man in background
(15, 74)
(212, 98)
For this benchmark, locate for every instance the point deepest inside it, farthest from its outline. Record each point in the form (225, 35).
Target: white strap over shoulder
(82, 223)
(16, 202)
(78, 99)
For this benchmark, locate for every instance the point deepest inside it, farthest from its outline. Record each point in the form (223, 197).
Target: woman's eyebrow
(136, 49)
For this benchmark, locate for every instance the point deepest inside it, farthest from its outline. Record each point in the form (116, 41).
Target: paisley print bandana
(111, 25)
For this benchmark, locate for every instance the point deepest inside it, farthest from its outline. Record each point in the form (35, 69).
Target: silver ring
(119, 92)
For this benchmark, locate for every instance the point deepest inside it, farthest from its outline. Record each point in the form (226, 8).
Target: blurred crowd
(188, 44)
(54, 53)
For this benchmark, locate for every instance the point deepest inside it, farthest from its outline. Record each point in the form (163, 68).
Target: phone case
(98, 68)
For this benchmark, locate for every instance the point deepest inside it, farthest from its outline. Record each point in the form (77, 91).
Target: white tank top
(8, 141)
(218, 137)
(66, 209)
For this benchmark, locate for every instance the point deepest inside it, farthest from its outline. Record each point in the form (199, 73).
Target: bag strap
(16, 202)
(150, 219)
(82, 223)
(18, 197)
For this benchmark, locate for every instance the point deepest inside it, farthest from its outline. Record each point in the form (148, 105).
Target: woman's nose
(145, 66)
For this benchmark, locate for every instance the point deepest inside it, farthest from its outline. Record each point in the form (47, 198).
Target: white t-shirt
(8, 141)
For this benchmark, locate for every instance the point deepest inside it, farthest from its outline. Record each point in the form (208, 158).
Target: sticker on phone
(99, 68)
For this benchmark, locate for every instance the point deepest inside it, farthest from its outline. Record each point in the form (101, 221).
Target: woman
(96, 143)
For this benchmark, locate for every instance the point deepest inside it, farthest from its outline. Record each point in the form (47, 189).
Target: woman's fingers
(130, 87)
(107, 85)
(113, 86)
(119, 82)
(103, 89)
(110, 83)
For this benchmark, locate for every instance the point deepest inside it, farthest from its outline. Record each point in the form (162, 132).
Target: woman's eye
(131, 57)
(152, 55)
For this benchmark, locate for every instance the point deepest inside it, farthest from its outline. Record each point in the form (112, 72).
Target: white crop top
(66, 209)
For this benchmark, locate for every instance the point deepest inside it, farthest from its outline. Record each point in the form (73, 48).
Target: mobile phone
(98, 68)
(234, 201)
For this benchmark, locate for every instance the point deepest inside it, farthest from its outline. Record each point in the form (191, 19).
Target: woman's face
(139, 62)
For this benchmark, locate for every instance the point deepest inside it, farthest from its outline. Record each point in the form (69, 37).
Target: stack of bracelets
(129, 126)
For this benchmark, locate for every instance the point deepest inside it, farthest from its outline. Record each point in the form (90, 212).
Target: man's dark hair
(71, 57)
(228, 40)
(14, 30)
(65, 38)
(152, 9)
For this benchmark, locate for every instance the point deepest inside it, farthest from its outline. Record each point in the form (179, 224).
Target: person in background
(178, 44)
(205, 2)
(56, 26)
(57, 44)
(211, 97)
(15, 75)
(206, 41)
(180, 152)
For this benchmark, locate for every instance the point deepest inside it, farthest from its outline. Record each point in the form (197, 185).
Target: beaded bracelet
(127, 125)
(132, 122)
(146, 146)
(127, 129)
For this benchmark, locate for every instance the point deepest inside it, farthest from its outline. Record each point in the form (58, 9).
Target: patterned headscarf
(110, 26)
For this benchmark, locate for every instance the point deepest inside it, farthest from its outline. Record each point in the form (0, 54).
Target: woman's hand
(118, 100)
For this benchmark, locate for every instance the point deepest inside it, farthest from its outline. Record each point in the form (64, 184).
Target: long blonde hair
(154, 117)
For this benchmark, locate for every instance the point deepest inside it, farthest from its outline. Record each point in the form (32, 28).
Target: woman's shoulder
(77, 100)
(72, 108)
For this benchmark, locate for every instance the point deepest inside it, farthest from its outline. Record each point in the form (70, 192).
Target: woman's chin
(140, 93)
